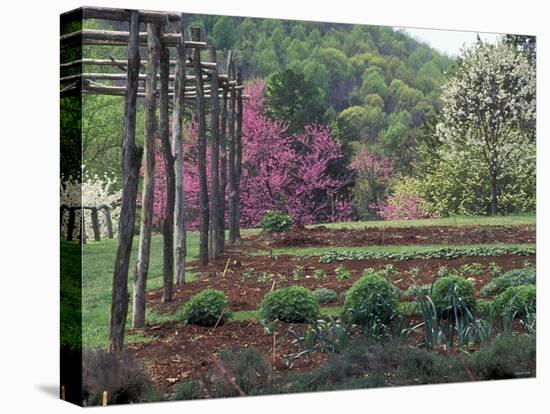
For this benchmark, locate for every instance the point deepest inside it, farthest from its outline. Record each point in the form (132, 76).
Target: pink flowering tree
(373, 176)
(290, 173)
(405, 202)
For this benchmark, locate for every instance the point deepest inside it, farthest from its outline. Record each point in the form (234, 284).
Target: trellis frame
(205, 83)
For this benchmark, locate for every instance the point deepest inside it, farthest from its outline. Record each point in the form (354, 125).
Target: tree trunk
(214, 162)
(177, 150)
(201, 149)
(131, 160)
(168, 222)
(238, 157)
(231, 163)
(142, 265)
(223, 169)
(494, 195)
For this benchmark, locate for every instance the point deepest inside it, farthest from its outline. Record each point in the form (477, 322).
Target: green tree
(292, 98)
(224, 33)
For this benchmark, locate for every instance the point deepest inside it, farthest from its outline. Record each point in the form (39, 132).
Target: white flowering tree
(93, 190)
(489, 111)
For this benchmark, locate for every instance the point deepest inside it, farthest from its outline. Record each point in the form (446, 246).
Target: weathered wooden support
(121, 63)
(231, 159)
(108, 220)
(131, 160)
(177, 151)
(142, 265)
(82, 221)
(223, 168)
(238, 156)
(214, 164)
(95, 223)
(201, 149)
(119, 38)
(70, 224)
(168, 221)
(106, 13)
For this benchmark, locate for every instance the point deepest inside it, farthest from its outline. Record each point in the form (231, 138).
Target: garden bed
(245, 292)
(179, 352)
(380, 236)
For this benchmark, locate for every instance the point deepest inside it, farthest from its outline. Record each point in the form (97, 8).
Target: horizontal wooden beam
(122, 62)
(106, 13)
(119, 38)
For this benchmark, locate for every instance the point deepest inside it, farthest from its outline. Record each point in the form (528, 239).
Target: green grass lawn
(98, 261)
(446, 221)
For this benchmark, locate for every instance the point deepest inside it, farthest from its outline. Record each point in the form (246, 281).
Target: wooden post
(203, 185)
(238, 156)
(142, 265)
(177, 150)
(108, 220)
(231, 160)
(214, 162)
(131, 160)
(82, 221)
(70, 225)
(223, 168)
(105, 399)
(95, 224)
(168, 222)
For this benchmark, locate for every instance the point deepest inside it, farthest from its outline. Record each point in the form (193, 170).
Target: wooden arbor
(167, 49)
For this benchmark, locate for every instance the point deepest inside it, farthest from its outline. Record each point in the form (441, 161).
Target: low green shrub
(516, 301)
(372, 300)
(417, 290)
(446, 289)
(292, 304)
(206, 308)
(187, 390)
(507, 356)
(275, 221)
(514, 277)
(319, 274)
(484, 308)
(324, 295)
(342, 273)
(418, 366)
(116, 373)
(248, 367)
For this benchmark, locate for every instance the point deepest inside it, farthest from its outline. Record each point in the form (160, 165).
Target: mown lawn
(445, 221)
(98, 259)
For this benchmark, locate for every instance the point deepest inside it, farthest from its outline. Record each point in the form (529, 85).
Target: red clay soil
(323, 236)
(247, 293)
(180, 352)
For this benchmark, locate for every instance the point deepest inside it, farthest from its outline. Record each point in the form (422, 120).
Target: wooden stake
(226, 267)
(63, 392)
(105, 399)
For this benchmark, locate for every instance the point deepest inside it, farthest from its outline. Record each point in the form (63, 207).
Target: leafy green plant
(342, 273)
(321, 335)
(292, 304)
(388, 271)
(371, 302)
(484, 308)
(275, 221)
(207, 308)
(118, 374)
(507, 356)
(516, 302)
(264, 278)
(471, 269)
(319, 274)
(298, 273)
(446, 288)
(324, 295)
(248, 274)
(187, 390)
(416, 290)
(514, 277)
(444, 271)
(413, 272)
(436, 253)
(494, 269)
